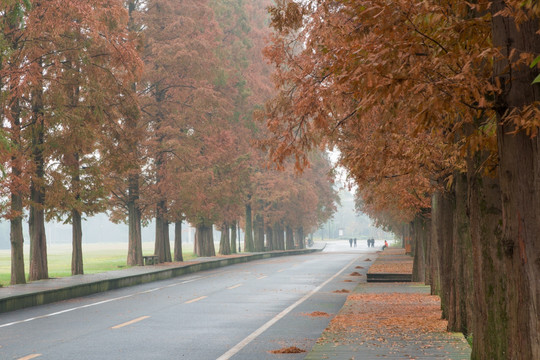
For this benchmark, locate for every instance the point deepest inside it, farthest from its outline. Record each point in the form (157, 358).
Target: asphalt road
(238, 312)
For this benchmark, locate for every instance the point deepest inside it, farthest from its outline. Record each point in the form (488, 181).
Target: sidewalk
(389, 320)
(57, 289)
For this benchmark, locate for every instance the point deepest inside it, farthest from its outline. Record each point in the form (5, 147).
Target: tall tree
(96, 66)
(515, 29)
(179, 59)
(12, 143)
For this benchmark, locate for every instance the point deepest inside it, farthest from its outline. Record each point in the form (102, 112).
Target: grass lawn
(99, 257)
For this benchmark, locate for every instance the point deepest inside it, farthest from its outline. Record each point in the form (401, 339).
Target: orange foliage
(404, 91)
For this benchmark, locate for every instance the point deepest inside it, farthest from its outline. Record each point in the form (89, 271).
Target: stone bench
(150, 259)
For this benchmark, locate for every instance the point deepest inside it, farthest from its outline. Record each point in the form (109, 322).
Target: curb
(17, 302)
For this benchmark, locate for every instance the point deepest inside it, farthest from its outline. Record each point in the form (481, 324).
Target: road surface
(242, 311)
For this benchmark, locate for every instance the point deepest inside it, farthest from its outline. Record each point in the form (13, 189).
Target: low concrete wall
(69, 292)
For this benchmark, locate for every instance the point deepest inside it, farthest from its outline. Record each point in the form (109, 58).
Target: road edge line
(242, 344)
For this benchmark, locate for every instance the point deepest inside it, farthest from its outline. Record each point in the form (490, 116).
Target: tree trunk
(280, 236)
(519, 179)
(135, 255)
(427, 251)
(301, 238)
(261, 234)
(76, 254)
(490, 331)
(444, 216)
(178, 255)
(270, 242)
(204, 238)
(433, 249)
(258, 232)
(233, 238)
(225, 241)
(248, 236)
(461, 291)
(167, 241)
(419, 230)
(76, 221)
(17, 241)
(162, 246)
(38, 242)
(16, 216)
(289, 238)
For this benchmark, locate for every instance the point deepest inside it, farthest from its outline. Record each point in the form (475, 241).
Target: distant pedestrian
(354, 242)
(368, 242)
(385, 245)
(350, 242)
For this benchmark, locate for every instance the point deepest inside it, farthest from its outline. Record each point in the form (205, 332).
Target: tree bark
(204, 238)
(258, 231)
(135, 255)
(178, 255)
(76, 254)
(433, 246)
(419, 230)
(248, 237)
(445, 241)
(300, 236)
(233, 238)
(289, 238)
(38, 242)
(225, 241)
(461, 291)
(490, 331)
(519, 178)
(162, 246)
(16, 216)
(76, 222)
(270, 242)
(17, 241)
(280, 235)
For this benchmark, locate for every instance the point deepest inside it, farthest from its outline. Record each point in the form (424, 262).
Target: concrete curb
(21, 301)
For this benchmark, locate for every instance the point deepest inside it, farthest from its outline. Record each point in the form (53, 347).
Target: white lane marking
(195, 300)
(130, 322)
(234, 350)
(234, 286)
(102, 302)
(28, 357)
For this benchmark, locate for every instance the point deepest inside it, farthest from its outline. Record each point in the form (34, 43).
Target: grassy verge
(96, 258)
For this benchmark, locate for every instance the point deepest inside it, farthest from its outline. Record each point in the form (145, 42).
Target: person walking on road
(354, 242)
(350, 242)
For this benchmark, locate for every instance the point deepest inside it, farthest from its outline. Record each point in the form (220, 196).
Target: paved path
(389, 321)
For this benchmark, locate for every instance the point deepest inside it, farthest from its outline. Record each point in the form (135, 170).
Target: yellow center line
(28, 357)
(262, 277)
(234, 286)
(195, 300)
(130, 322)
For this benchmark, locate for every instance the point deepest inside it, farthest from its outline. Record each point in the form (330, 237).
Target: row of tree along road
(435, 108)
(144, 110)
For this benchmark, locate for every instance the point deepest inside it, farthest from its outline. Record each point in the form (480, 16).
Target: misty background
(98, 229)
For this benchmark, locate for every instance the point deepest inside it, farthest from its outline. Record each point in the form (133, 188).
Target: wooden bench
(150, 259)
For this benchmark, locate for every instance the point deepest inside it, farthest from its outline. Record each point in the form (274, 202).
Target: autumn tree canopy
(431, 105)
